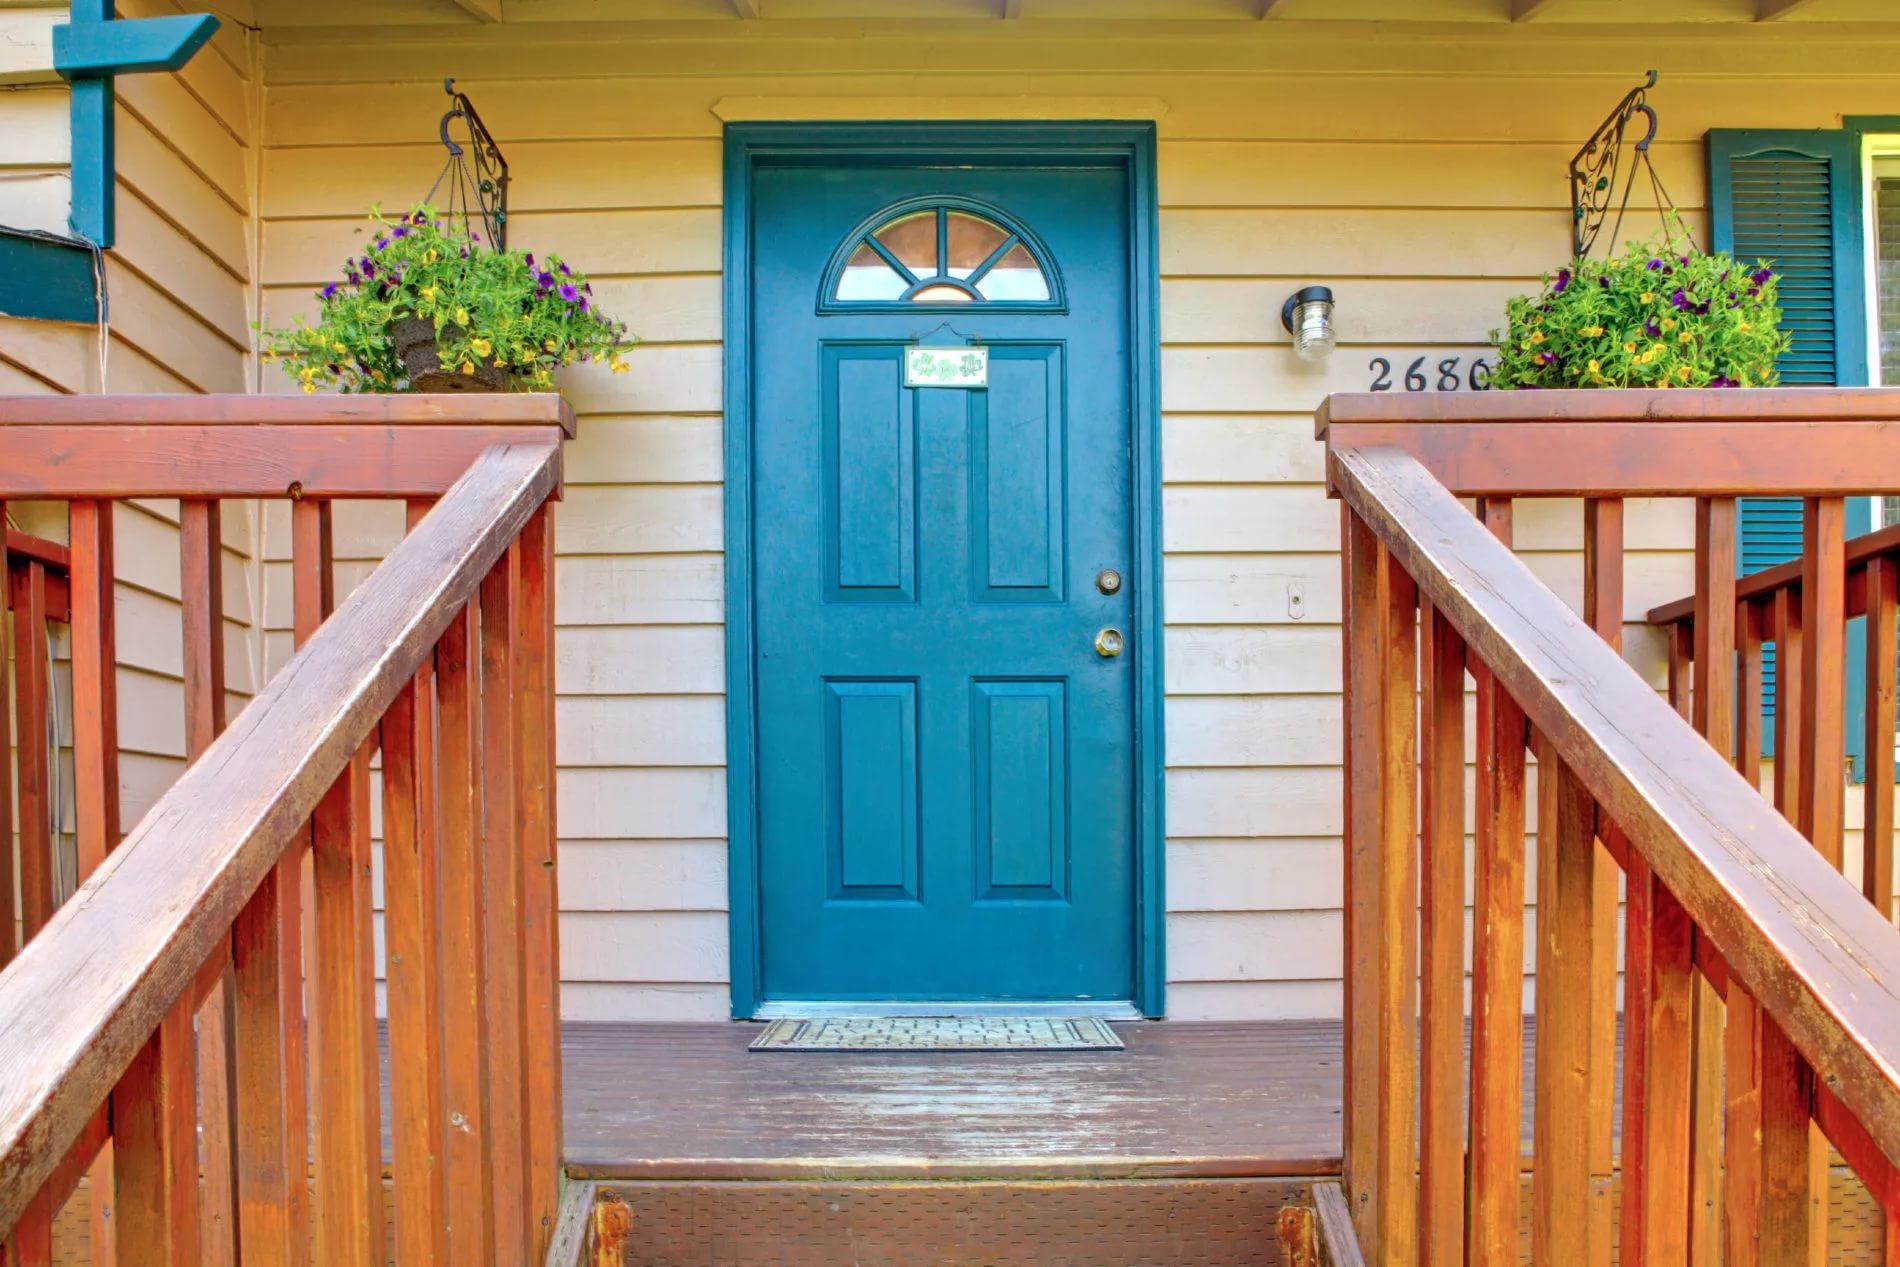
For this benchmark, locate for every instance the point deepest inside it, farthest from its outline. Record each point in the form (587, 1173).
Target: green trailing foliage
(1664, 314)
(501, 308)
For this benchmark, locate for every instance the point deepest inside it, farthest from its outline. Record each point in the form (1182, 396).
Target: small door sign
(946, 367)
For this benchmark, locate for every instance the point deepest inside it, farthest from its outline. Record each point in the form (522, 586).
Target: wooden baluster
(1565, 1075)
(344, 1082)
(1603, 611)
(502, 942)
(1364, 831)
(1792, 1216)
(1741, 1187)
(1823, 668)
(1883, 604)
(1789, 694)
(1442, 934)
(155, 1146)
(95, 759)
(540, 904)
(33, 675)
(201, 573)
(31, 1242)
(10, 920)
(1497, 968)
(1714, 717)
(1681, 656)
(1350, 931)
(1396, 1201)
(273, 1186)
(411, 884)
(1656, 1074)
(464, 994)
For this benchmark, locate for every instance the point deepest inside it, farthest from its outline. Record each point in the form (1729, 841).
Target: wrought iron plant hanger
(1595, 186)
(476, 173)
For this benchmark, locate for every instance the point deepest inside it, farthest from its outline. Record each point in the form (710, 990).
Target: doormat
(939, 1033)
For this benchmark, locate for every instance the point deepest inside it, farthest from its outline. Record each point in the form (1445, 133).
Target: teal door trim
(1130, 146)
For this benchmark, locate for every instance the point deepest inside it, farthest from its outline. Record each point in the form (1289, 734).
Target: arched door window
(940, 251)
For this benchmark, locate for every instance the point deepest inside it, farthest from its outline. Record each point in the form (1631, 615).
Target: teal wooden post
(88, 51)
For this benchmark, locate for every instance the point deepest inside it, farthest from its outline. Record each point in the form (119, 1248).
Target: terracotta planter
(414, 338)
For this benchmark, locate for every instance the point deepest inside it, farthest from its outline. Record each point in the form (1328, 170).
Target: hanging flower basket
(429, 307)
(421, 356)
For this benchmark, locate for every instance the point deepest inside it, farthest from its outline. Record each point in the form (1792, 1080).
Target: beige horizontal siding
(1424, 180)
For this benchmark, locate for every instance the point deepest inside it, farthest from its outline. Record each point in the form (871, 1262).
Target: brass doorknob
(1108, 643)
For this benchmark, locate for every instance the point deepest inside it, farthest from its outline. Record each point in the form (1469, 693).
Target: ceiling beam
(1525, 10)
(1773, 10)
(481, 10)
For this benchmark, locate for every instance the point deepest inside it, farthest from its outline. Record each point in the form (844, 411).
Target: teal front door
(942, 607)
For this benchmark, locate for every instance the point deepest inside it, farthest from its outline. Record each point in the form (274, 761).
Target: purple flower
(1721, 380)
(1651, 329)
(329, 292)
(529, 261)
(1761, 276)
(1604, 282)
(1754, 292)
(474, 237)
(1679, 300)
(1548, 358)
(369, 269)
(565, 271)
(400, 231)
(379, 244)
(583, 304)
(1654, 265)
(418, 218)
(569, 293)
(545, 280)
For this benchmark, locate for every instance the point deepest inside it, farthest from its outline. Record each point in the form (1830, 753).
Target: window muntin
(936, 252)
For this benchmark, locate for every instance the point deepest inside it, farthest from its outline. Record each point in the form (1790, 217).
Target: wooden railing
(1760, 993)
(166, 1033)
(1770, 612)
(38, 591)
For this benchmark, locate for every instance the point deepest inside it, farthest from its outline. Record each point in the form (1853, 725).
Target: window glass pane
(1887, 264)
(972, 240)
(1015, 278)
(913, 240)
(941, 294)
(867, 276)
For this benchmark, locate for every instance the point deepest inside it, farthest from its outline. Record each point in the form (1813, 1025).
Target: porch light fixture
(1308, 317)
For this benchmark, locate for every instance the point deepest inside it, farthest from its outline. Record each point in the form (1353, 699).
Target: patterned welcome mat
(939, 1033)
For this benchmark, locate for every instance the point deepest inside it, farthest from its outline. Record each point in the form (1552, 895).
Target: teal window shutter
(1794, 199)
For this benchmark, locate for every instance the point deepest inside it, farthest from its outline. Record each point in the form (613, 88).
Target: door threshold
(819, 1010)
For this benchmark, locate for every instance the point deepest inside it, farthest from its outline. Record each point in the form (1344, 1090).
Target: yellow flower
(428, 293)
(430, 257)
(1525, 345)
(1741, 325)
(468, 367)
(567, 358)
(1594, 367)
(1668, 323)
(552, 346)
(1649, 296)
(1591, 332)
(1629, 347)
(309, 389)
(1687, 336)
(1537, 336)
(621, 367)
(1683, 373)
(482, 347)
(338, 347)
(461, 316)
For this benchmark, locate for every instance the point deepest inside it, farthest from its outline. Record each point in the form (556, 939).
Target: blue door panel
(945, 765)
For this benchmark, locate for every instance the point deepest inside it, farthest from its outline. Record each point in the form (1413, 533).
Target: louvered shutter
(1794, 199)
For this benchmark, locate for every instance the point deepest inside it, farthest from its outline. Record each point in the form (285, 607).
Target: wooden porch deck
(677, 1101)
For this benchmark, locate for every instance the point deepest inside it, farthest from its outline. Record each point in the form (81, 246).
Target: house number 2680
(1449, 375)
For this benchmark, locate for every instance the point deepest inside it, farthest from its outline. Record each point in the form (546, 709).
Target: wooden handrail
(85, 997)
(528, 409)
(1756, 586)
(1819, 959)
(1768, 442)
